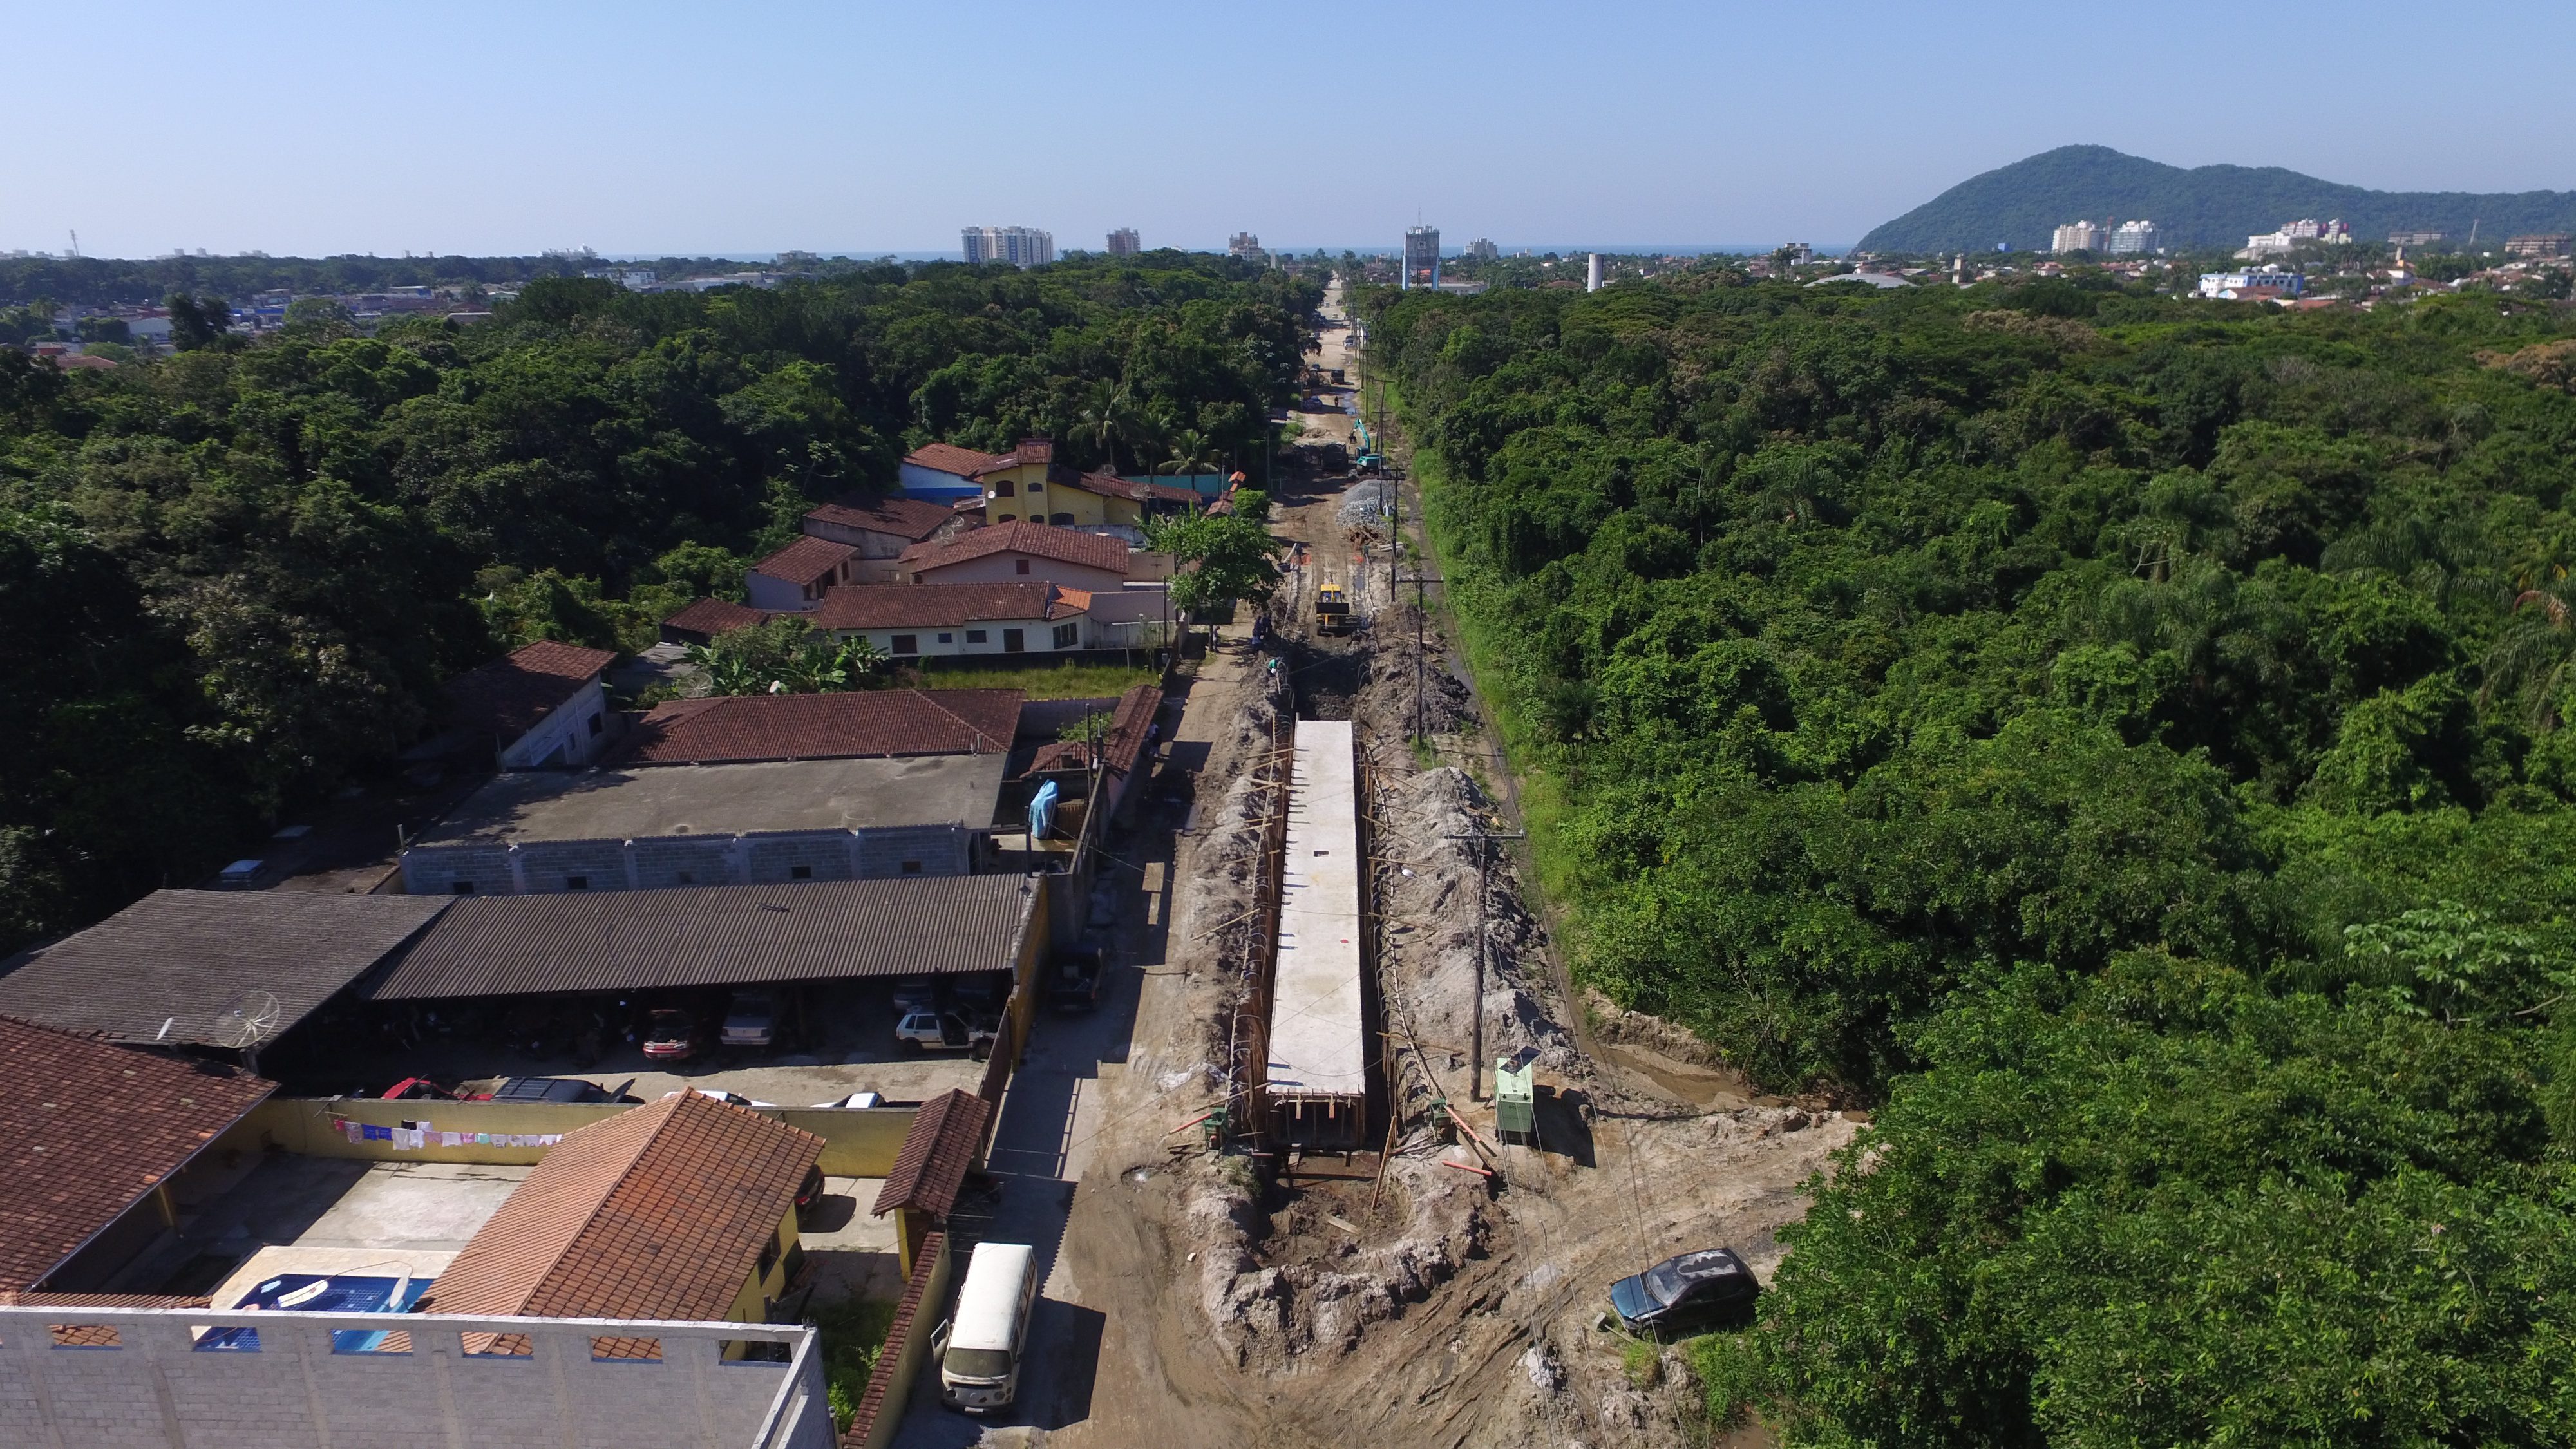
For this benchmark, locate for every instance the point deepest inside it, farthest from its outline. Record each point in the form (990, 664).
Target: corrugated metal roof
(207, 962)
(714, 936)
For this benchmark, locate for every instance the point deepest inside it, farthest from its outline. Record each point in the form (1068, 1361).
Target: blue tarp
(1042, 811)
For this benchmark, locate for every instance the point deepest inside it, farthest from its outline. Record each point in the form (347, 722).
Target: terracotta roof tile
(509, 697)
(937, 1150)
(1110, 485)
(825, 726)
(806, 561)
(1039, 540)
(715, 616)
(658, 1212)
(951, 459)
(87, 1128)
(931, 606)
(905, 518)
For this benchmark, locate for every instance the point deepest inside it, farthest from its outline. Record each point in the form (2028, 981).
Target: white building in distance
(1021, 246)
(2282, 242)
(2133, 238)
(1421, 257)
(2079, 236)
(1123, 243)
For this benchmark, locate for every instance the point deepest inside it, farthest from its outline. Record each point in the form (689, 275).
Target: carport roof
(714, 936)
(214, 968)
(937, 1150)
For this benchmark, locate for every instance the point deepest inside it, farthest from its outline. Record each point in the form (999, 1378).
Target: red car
(418, 1089)
(672, 1035)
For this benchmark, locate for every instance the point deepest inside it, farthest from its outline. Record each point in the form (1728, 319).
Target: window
(1067, 635)
(1035, 488)
(1003, 489)
(947, 638)
(462, 887)
(768, 1257)
(978, 636)
(800, 872)
(907, 643)
(1015, 641)
(1019, 565)
(595, 724)
(912, 867)
(576, 882)
(1004, 517)
(1063, 518)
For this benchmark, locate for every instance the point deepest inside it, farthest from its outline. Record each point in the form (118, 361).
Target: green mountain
(2019, 205)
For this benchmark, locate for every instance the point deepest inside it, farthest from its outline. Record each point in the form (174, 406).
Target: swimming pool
(316, 1293)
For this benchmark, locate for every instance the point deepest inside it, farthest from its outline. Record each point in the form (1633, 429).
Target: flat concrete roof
(613, 804)
(332, 1215)
(1318, 1042)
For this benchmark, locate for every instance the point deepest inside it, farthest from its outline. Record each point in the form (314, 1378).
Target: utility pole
(1484, 892)
(1417, 580)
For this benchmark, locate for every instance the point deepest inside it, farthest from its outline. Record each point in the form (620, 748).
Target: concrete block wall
(770, 856)
(553, 865)
(683, 860)
(156, 1389)
(662, 861)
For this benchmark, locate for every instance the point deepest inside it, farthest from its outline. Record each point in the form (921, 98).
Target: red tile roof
(511, 696)
(1130, 722)
(937, 1150)
(715, 616)
(806, 561)
(825, 726)
(906, 518)
(1039, 540)
(1110, 485)
(87, 1128)
(951, 459)
(658, 1212)
(932, 606)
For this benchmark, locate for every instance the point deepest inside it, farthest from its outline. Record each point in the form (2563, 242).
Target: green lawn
(1065, 681)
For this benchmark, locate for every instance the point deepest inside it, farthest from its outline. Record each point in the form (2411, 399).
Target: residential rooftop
(511, 696)
(88, 1129)
(944, 606)
(807, 560)
(1040, 540)
(890, 722)
(646, 800)
(899, 517)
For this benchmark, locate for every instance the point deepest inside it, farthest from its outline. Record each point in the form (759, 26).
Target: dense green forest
(2118, 739)
(237, 577)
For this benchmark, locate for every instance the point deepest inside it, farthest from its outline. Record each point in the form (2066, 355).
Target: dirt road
(1187, 1303)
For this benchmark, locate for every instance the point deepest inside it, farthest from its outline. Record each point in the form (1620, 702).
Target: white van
(980, 1349)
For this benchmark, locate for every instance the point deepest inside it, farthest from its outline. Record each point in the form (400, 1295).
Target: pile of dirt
(1429, 880)
(1409, 679)
(1285, 1283)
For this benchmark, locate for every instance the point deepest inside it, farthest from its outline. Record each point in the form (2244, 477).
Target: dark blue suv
(1687, 1294)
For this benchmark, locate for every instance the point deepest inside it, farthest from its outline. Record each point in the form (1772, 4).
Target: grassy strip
(853, 1333)
(1066, 681)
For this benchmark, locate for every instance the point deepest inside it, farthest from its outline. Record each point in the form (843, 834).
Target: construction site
(1364, 1165)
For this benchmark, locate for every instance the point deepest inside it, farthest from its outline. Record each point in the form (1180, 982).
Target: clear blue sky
(763, 124)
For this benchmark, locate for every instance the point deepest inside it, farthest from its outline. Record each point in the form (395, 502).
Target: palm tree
(1106, 415)
(2536, 657)
(1192, 452)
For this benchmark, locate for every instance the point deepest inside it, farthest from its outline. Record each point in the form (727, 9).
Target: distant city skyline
(510, 129)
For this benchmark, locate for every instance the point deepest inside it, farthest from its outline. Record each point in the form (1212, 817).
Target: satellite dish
(248, 1021)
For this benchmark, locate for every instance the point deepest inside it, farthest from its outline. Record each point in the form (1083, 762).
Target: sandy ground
(1186, 1301)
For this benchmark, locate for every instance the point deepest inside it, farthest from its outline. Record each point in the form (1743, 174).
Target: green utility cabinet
(1515, 1102)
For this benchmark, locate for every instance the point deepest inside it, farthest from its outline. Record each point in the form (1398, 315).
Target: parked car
(861, 1098)
(672, 1035)
(916, 993)
(751, 1019)
(1074, 982)
(418, 1089)
(1686, 1293)
(981, 992)
(545, 1089)
(731, 1099)
(808, 1193)
(982, 1349)
(926, 1030)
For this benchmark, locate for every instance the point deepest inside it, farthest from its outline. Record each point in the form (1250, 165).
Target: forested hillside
(2118, 739)
(2020, 205)
(236, 577)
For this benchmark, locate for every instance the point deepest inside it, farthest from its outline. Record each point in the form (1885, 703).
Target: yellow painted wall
(858, 1142)
(1086, 507)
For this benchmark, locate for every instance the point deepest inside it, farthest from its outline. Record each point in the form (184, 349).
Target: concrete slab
(1318, 1042)
(295, 1214)
(727, 799)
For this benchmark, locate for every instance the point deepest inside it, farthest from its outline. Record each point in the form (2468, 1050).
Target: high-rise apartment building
(1123, 243)
(1421, 257)
(1483, 249)
(2079, 236)
(1021, 246)
(2133, 238)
